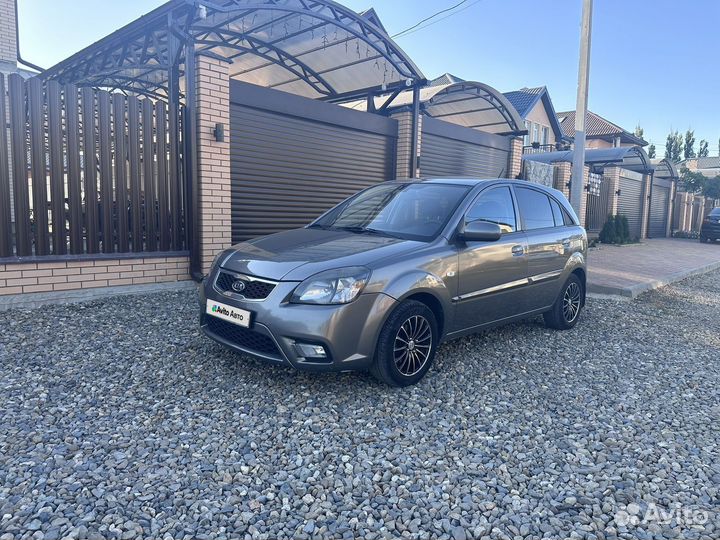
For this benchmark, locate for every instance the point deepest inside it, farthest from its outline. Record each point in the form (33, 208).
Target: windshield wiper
(369, 230)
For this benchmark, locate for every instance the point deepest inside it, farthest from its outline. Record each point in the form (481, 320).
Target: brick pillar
(402, 153)
(612, 175)
(647, 179)
(563, 171)
(8, 41)
(213, 106)
(515, 157)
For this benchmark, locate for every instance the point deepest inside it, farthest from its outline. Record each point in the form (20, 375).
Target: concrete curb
(34, 300)
(634, 291)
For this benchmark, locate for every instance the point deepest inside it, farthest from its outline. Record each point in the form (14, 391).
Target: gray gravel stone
(120, 421)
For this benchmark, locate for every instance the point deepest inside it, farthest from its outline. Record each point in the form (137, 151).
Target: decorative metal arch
(632, 158)
(315, 48)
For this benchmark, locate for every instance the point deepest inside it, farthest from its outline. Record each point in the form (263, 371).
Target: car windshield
(715, 212)
(408, 211)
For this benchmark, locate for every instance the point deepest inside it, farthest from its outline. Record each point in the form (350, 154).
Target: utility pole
(576, 180)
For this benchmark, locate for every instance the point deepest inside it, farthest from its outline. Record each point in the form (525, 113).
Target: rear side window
(557, 213)
(535, 209)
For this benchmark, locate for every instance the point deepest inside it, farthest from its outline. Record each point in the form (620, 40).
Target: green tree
(712, 187)
(651, 151)
(693, 182)
(689, 146)
(674, 146)
(703, 151)
(639, 131)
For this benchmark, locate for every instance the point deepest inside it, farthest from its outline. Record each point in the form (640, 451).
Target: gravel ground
(119, 420)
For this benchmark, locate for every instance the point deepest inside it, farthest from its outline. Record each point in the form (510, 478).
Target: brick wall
(90, 274)
(213, 106)
(8, 43)
(612, 175)
(515, 157)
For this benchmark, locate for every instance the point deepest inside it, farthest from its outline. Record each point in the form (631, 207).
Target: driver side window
(494, 206)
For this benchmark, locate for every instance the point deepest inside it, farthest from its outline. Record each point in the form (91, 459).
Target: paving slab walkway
(630, 270)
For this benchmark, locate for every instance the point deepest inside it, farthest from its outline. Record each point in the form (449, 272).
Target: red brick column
(515, 157)
(213, 167)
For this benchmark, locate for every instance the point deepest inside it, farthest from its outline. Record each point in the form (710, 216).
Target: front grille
(243, 337)
(254, 290)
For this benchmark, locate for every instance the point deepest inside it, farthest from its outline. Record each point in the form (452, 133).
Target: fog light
(306, 350)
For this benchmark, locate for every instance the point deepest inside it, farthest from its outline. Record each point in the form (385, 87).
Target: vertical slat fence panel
(21, 194)
(57, 173)
(72, 123)
(162, 180)
(134, 166)
(175, 200)
(6, 248)
(106, 181)
(121, 183)
(148, 158)
(38, 166)
(89, 170)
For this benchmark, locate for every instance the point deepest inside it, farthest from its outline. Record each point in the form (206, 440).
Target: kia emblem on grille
(238, 286)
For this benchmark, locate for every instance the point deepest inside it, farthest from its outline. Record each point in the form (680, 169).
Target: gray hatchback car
(379, 281)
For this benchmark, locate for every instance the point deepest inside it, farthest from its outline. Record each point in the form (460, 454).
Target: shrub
(608, 234)
(616, 230)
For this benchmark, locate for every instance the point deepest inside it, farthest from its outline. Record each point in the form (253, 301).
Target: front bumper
(348, 332)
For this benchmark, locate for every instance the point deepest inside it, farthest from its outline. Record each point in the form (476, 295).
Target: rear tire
(566, 310)
(406, 346)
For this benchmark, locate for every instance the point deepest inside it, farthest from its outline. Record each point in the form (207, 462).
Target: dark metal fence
(84, 171)
(598, 201)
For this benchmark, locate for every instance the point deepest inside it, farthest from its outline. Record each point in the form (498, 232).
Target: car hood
(298, 254)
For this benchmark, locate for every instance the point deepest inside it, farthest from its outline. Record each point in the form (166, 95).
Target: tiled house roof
(709, 162)
(524, 99)
(597, 127)
(447, 78)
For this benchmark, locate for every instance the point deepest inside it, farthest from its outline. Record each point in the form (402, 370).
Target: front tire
(566, 310)
(406, 346)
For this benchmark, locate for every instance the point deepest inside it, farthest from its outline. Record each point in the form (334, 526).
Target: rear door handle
(517, 251)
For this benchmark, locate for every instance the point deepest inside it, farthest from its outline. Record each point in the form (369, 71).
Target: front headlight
(339, 286)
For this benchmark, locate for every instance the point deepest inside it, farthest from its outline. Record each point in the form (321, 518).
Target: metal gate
(659, 205)
(630, 201)
(598, 202)
(293, 158)
(450, 150)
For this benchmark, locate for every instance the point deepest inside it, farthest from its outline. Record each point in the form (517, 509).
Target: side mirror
(481, 231)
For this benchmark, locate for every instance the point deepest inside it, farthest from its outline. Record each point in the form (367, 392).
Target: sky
(653, 62)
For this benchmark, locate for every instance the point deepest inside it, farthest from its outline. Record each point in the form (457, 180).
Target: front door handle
(517, 251)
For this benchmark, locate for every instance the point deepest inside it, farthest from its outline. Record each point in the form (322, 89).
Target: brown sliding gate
(84, 171)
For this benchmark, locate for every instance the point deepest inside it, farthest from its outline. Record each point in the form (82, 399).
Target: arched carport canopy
(313, 48)
(664, 168)
(470, 104)
(632, 158)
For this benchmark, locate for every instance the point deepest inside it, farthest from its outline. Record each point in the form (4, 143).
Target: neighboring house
(599, 132)
(707, 166)
(536, 109)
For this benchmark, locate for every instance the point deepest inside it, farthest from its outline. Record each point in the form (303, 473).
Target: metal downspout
(17, 44)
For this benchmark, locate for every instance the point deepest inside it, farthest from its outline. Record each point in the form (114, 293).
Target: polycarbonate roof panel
(314, 48)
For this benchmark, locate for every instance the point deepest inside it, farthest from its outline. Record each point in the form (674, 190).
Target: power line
(407, 33)
(426, 19)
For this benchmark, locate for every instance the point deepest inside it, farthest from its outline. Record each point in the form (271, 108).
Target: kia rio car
(379, 281)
